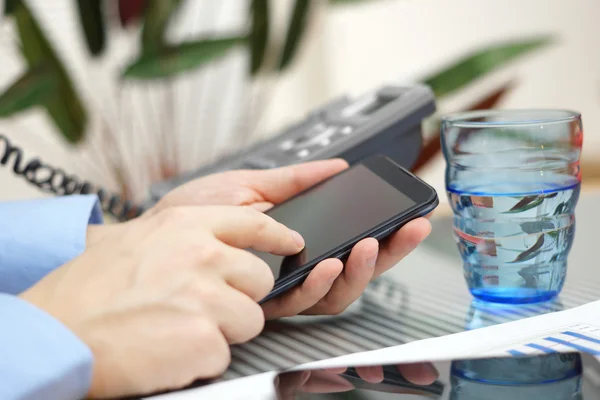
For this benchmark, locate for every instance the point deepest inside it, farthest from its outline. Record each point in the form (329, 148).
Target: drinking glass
(513, 180)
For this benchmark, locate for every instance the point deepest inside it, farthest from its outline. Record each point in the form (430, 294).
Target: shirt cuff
(38, 236)
(40, 357)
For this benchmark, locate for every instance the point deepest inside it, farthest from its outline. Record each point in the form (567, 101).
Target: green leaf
(65, 116)
(480, 63)
(174, 60)
(296, 29)
(553, 234)
(346, 2)
(157, 15)
(64, 107)
(30, 90)
(560, 208)
(527, 203)
(259, 35)
(92, 22)
(531, 252)
(9, 6)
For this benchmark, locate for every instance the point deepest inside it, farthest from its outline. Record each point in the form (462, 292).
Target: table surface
(424, 296)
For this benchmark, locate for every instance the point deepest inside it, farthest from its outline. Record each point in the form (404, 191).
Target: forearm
(95, 233)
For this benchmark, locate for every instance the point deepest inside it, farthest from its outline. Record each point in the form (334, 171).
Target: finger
(244, 227)
(244, 272)
(357, 274)
(238, 316)
(372, 374)
(336, 370)
(419, 373)
(326, 382)
(289, 384)
(314, 288)
(279, 184)
(401, 244)
(262, 206)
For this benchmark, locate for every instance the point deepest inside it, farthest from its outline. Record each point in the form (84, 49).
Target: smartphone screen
(334, 213)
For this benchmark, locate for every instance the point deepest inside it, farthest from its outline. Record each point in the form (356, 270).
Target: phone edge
(380, 233)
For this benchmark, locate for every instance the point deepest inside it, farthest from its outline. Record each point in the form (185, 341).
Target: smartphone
(372, 199)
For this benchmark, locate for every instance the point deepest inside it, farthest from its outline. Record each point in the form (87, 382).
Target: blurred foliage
(157, 16)
(33, 88)
(345, 2)
(62, 104)
(130, 11)
(47, 84)
(259, 34)
(296, 29)
(9, 6)
(92, 22)
(482, 62)
(173, 60)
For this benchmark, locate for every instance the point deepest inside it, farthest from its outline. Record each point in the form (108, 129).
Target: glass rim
(466, 119)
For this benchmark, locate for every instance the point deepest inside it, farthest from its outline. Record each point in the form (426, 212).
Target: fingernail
(298, 238)
(331, 280)
(371, 261)
(432, 370)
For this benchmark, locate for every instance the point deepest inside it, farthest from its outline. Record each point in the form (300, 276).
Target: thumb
(279, 184)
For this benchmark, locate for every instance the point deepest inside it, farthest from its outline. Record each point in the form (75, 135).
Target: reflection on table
(548, 377)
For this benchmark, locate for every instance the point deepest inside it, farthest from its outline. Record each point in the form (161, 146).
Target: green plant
(46, 83)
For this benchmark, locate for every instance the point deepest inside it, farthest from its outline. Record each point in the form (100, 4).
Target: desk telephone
(386, 121)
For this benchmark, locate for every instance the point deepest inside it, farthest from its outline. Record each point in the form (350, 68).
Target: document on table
(577, 329)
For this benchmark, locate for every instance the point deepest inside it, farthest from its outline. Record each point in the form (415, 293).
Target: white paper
(545, 330)
(255, 387)
(489, 341)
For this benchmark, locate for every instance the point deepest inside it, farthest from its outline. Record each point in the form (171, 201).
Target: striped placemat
(424, 296)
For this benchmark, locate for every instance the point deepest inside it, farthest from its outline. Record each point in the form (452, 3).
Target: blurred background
(125, 93)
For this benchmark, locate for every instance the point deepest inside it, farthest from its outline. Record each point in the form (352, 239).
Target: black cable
(57, 181)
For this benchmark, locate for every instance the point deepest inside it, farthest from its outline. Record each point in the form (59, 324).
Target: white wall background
(353, 49)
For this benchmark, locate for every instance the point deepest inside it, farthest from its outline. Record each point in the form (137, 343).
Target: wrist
(95, 234)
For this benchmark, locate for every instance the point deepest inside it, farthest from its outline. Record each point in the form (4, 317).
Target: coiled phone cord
(57, 181)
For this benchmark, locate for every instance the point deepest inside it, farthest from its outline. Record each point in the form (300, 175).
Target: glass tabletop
(567, 376)
(424, 296)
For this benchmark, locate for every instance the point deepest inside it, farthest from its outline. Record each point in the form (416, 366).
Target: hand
(159, 300)
(331, 287)
(290, 384)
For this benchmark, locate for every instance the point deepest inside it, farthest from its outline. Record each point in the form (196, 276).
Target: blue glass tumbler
(513, 180)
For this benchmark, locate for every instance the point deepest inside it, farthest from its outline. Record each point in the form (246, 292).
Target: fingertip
(370, 245)
(372, 374)
(341, 162)
(332, 268)
(298, 239)
(426, 226)
(262, 206)
(419, 373)
(314, 288)
(332, 166)
(420, 228)
(323, 276)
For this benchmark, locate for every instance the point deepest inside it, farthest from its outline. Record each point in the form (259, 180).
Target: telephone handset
(384, 121)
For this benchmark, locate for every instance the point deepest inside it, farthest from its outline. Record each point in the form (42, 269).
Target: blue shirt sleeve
(37, 236)
(39, 357)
